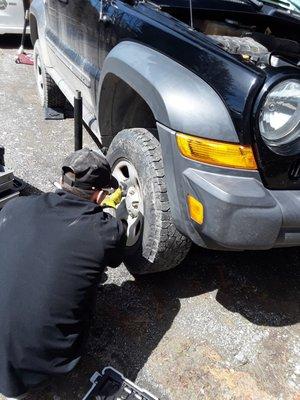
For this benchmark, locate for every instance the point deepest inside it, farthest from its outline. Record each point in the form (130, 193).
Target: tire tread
(168, 246)
(53, 96)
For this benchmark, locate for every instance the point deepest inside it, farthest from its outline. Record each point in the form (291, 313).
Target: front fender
(178, 98)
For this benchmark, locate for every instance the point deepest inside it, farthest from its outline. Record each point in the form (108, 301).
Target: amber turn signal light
(213, 152)
(196, 209)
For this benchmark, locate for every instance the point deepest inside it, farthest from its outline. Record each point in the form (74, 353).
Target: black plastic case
(111, 385)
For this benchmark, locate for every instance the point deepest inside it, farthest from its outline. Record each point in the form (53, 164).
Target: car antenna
(191, 14)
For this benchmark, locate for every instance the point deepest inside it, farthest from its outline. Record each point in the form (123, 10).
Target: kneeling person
(53, 250)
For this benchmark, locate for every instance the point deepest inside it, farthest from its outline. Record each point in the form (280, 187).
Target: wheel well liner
(123, 108)
(34, 35)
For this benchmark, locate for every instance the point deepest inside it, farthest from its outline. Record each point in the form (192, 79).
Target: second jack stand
(78, 121)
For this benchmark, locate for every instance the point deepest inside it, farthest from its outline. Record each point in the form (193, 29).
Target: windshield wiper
(256, 3)
(287, 5)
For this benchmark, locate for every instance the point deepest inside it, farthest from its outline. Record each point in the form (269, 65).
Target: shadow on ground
(9, 41)
(261, 286)
(28, 190)
(131, 319)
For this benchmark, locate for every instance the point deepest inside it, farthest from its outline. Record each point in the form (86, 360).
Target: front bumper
(239, 212)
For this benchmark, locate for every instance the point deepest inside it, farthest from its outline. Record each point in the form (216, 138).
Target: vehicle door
(55, 34)
(73, 38)
(93, 27)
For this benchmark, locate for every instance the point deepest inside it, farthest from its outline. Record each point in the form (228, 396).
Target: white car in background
(11, 16)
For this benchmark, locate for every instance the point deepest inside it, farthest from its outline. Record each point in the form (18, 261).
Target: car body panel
(190, 85)
(11, 16)
(74, 44)
(236, 84)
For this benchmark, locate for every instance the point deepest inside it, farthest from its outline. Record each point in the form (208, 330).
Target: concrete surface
(220, 326)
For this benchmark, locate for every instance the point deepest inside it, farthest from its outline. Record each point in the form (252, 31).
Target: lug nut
(131, 191)
(135, 204)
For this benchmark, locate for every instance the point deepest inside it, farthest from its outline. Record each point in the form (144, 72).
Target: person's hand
(113, 199)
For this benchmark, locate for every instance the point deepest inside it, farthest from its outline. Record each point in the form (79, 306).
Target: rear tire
(160, 246)
(50, 94)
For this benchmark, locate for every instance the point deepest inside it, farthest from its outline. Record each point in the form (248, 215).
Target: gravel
(220, 326)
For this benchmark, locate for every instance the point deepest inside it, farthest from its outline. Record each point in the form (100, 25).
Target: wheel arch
(34, 35)
(124, 108)
(175, 96)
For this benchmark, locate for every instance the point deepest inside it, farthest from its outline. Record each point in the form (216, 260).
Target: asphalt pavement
(220, 326)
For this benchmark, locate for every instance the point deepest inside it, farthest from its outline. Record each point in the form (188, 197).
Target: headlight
(279, 119)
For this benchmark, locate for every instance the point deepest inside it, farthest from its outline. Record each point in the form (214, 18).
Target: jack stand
(22, 57)
(78, 121)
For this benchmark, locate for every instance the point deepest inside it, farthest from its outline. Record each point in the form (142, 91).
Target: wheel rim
(126, 173)
(39, 76)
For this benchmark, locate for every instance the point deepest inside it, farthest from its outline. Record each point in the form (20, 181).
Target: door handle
(64, 1)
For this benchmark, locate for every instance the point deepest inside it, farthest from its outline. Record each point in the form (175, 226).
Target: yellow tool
(113, 199)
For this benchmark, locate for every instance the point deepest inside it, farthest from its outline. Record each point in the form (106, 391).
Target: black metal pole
(24, 28)
(78, 120)
(191, 14)
(1, 157)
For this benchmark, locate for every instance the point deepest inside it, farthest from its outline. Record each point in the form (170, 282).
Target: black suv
(198, 103)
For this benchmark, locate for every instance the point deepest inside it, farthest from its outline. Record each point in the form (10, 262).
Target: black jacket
(53, 249)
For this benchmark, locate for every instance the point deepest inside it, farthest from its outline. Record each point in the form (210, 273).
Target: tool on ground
(22, 57)
(8, 183)
(111, 385)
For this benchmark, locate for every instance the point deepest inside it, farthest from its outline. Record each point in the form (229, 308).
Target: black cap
(91, 170)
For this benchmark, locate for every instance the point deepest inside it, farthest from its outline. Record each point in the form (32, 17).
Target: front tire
(159, 246)
(49, 93)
